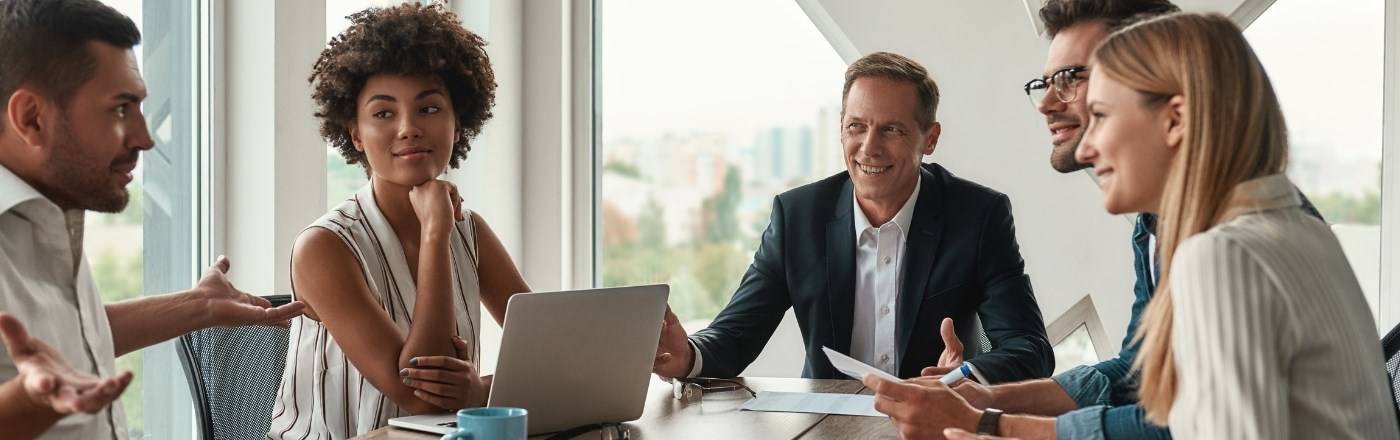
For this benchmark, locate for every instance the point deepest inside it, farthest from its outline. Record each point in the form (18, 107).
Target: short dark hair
(1061, 14)
(897, 67)
(43, 43)
(408, 39)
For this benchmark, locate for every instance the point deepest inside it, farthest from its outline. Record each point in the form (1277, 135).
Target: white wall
(275, 177)
(490, 179)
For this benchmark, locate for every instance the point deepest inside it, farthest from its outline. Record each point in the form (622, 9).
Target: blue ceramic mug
(490, 423)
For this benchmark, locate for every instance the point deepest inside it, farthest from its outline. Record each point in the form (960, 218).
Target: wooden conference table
(718, 416)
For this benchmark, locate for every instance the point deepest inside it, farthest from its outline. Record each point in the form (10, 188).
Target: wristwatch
(991, 418)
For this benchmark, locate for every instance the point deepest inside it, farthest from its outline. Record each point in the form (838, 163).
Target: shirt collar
(14, 191)
(1274, 191)
(901, 218)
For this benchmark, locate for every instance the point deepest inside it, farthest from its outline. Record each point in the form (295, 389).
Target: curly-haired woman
(394, 277)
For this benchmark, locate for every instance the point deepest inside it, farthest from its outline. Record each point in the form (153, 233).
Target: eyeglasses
(694, 389)
(606, 431)
(1065, 82)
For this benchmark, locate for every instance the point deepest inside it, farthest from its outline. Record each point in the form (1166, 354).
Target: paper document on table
(816, 403)
(855, 368)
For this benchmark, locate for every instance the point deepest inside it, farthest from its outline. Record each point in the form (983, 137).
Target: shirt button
(885, 310)
(888, 260)
(885, 359)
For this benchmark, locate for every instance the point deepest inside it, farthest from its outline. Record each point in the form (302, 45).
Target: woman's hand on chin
(437, 205)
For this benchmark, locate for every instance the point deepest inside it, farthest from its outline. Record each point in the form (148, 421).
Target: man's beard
(1062, 159)
(80, 182)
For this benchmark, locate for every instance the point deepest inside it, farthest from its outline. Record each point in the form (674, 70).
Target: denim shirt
(1106, 392)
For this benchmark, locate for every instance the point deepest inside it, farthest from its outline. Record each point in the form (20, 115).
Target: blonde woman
(1259, 329)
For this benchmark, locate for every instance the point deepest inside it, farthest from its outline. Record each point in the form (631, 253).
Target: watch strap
(991, 419)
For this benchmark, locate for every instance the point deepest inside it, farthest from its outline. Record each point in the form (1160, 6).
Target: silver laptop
(572, 358)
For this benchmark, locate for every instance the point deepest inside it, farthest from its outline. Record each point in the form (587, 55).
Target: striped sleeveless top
(323, 396)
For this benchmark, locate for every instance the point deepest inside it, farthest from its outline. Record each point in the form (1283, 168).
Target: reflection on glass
(1329, 89)
(700, 128)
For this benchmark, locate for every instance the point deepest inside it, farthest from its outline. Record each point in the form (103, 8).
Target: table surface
(718, 416)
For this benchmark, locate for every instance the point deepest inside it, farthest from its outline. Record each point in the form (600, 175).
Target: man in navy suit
(875, 260)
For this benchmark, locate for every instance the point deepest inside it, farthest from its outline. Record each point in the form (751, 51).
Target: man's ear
(24, 114)
(931, 137)
(1174, 120)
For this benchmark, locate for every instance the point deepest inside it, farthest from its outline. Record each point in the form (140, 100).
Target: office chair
(234, 374)
(1390, 345)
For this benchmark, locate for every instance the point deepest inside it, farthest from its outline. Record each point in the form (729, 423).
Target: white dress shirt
(47, 285)
(1271, 335)
(879, 278)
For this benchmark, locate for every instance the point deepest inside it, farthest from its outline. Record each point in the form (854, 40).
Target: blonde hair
(1233, 132)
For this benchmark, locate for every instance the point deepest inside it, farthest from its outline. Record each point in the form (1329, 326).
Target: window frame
(1390, 173)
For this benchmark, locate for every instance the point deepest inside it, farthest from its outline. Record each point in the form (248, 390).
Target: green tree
(1341, 208)
(622, 169)
(120, 278)
(720, 212)
(718, 267)
(651, 223)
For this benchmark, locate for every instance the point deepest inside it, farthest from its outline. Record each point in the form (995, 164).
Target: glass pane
(1075, 350)
(112, 244)
(161, 198)
(700, 128)
(1326, 62)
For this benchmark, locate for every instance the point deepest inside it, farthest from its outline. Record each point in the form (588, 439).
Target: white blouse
(323, 395)
(1271, 334)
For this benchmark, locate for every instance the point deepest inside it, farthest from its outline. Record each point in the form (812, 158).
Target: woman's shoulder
(344, 216)
(1252, 246)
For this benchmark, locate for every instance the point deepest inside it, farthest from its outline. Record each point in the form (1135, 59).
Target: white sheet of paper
(816, 403)
(854, 368)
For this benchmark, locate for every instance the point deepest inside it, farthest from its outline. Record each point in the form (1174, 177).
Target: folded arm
(331, 282)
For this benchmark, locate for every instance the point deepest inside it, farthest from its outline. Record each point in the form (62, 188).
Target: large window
(152, 246)
(708, 110)
(1326, 62)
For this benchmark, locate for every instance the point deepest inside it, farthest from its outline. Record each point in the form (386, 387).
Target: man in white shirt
(71, 136)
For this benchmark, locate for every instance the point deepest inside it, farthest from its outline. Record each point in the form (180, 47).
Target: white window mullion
(1390, 174)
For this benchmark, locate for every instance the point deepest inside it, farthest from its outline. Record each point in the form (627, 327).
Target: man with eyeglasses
(1089, 401)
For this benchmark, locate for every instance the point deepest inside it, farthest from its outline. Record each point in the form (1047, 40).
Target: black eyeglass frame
(694, 389)
(1064, 81)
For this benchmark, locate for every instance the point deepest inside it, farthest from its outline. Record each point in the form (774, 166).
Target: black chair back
(234, 374)
(1390, 345)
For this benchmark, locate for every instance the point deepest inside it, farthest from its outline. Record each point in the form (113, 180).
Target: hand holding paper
(854, 368)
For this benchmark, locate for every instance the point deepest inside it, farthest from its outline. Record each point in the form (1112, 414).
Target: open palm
(49, 379)
(229, 307)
